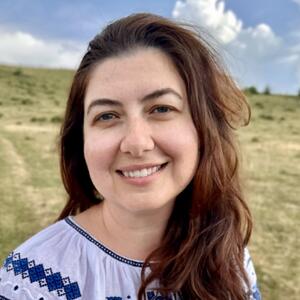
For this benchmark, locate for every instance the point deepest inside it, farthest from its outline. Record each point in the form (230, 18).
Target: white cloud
(257, 55)
(210, 14)
(259, 42)
(296, 1)
(23, 48)
(224, 25)
(293, 59)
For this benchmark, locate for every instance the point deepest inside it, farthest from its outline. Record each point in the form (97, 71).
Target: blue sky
(259, 39)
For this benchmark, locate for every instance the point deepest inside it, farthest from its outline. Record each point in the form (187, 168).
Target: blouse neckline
(135, 263)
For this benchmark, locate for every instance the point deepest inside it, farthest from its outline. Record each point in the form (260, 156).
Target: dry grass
(271, 149)
(31, 194)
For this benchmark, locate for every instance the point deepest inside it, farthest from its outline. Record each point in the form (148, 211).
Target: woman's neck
(133, 235)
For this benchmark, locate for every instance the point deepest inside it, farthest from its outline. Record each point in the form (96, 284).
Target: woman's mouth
(145, 172)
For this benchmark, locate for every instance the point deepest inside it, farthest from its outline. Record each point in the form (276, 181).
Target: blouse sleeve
(13, 284)
(42, 268)
(254, 290)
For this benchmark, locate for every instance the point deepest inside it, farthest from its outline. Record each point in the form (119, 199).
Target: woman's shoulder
(63, 261)
(40, 264)
(45, 237)
(48, 244)
(250, 270)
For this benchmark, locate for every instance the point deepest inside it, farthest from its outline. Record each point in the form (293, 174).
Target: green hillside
(32, 102)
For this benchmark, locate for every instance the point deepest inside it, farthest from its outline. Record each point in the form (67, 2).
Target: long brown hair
(201, 255)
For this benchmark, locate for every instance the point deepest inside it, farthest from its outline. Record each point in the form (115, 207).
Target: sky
(259, 40)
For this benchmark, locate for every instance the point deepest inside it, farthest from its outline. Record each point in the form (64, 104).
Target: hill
(32, 103)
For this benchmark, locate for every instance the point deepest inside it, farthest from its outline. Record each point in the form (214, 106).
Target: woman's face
(140, 143)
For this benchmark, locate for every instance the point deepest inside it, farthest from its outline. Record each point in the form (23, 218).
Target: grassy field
(31, 195)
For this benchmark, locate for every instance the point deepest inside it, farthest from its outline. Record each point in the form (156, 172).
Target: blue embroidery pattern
(152, 296)
(102, 247)
(256, 293)
(45, 277)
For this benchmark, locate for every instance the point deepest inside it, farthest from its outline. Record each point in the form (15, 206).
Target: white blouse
(65, 262)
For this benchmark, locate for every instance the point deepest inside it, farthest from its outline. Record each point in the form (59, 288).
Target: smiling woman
(155, 208)
(122, 149)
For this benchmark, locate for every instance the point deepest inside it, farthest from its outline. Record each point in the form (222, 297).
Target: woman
(155, 208)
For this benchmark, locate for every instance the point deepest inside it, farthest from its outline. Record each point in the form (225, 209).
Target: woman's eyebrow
(159, 93)
(153, 95)
(103, 102)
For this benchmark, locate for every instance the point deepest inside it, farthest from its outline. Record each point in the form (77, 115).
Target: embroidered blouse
(65, 262)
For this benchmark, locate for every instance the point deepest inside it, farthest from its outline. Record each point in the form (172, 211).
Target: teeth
(141, 173)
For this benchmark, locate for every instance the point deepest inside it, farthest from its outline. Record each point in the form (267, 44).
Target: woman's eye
(105, 117)
(162, 109)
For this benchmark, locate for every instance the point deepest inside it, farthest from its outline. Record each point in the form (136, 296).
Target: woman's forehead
(134, 74)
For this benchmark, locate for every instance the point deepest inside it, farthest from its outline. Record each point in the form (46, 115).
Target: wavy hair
(201, 255)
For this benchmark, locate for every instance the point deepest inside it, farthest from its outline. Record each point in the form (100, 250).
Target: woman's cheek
(179, 135)
(97, 149)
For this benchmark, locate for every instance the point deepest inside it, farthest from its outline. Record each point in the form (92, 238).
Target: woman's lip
(133, 168)
(142, 180)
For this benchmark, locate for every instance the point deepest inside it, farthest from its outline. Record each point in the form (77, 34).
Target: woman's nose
(137, 138)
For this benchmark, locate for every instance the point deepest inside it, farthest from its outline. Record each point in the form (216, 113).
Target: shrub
(267, 90)
(259, 105)
(266, 117)
(255, 139)
(290, 109)
(15, 98)
(251, 90)
(27, 101)
(38, 119)
(18, 72)
(56, 119)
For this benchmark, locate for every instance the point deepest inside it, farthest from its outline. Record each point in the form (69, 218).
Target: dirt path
(18, 170)
(17, 176)
(17, 185)
(30, 128)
